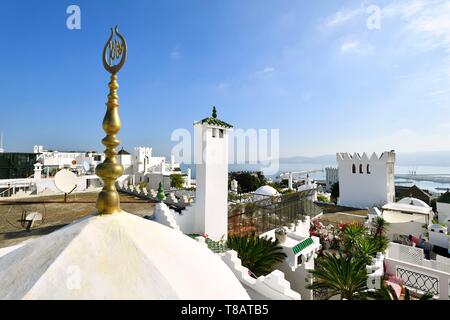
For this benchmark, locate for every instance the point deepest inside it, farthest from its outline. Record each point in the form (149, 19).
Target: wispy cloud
(349, 46)
(268, 69)
(264, 71)
(354, 46)
(342, 17)
(426, 21)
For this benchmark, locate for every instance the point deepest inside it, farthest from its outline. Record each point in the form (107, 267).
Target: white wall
(443, 210)
(438, 235)
(212, 181)
(411, 259)
(366, 190)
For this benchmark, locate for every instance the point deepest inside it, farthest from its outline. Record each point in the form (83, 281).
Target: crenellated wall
(366, 181)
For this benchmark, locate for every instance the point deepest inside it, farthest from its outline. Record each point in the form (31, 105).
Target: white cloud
(349, 46)
(426, 22)
(355, 47)
(267, 70)
(342, 17)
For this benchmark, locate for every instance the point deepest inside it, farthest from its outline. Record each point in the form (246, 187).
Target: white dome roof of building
(266, 191)
(414, 202)
(117, 256)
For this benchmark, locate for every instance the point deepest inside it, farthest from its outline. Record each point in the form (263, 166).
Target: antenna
(1, 142)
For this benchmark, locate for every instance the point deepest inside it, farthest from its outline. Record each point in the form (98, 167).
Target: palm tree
(366, 248)
(351, 234)
(259, 255)
(379, 226)
(340, 274)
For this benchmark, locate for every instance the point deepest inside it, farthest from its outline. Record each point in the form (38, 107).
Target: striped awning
(302, 245)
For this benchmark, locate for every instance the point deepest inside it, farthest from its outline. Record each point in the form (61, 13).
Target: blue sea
(435, 187)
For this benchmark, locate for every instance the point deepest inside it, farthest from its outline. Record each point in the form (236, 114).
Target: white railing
(14, 185)
(417, 273)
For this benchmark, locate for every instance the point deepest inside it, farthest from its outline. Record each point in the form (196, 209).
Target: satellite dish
(65, 180)
(86, 166)
(25, 216)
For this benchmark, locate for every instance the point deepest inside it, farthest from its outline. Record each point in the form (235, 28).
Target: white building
(443, 209)
(142, 166)
(309, 185)
(366, 182)
(76, 160)
(211, 160)
(331, 177)
(407, 217)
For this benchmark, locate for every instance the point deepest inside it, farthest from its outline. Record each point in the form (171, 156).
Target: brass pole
(108, 200)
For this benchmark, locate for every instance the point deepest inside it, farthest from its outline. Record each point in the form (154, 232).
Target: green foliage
(248, 181)
(335, 191)
(343, 275)
(366, 248)
(142, 185)
(351, 234)
(276, 186)
(259, 255)
(322, 198)
(379, 227)
(176, 180)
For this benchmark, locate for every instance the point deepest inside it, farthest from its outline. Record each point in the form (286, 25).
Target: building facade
(331, 177)
(365, 181)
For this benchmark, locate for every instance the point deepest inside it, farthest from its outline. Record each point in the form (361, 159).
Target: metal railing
(419, 281)
(258, 217)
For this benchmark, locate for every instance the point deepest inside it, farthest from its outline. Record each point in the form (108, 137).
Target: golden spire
(114, 55)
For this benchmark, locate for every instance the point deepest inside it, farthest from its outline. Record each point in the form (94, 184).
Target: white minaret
(211, 160)
(234, 185)
(37, 171)
(290, 181)
(188, 178)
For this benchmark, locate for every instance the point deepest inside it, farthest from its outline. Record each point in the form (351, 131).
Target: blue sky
(309, 68)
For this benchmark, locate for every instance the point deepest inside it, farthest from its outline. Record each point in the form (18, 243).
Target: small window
(220, 133)
(360, 169)
(214, 133)
(368, 169)
(353, 168)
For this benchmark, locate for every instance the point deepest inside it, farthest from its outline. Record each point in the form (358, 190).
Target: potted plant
(280, 235)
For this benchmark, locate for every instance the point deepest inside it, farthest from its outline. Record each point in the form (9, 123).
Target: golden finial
(114, 55)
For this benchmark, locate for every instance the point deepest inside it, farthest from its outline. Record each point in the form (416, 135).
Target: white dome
(266, 191)
(414, 202)
(118, 256)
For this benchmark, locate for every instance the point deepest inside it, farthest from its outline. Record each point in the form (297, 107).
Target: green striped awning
(302, 245)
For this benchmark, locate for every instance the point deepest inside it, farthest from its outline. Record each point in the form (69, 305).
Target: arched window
(353, 168)
(368, 168)
(360, 169)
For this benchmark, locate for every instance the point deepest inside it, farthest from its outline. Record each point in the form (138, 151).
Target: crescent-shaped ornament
(114, 52)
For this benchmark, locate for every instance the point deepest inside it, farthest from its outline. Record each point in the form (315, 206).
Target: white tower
(37, 171)
(290, 182)
(366, 182)
(211, 159)
(188, 178)
(234, 185)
